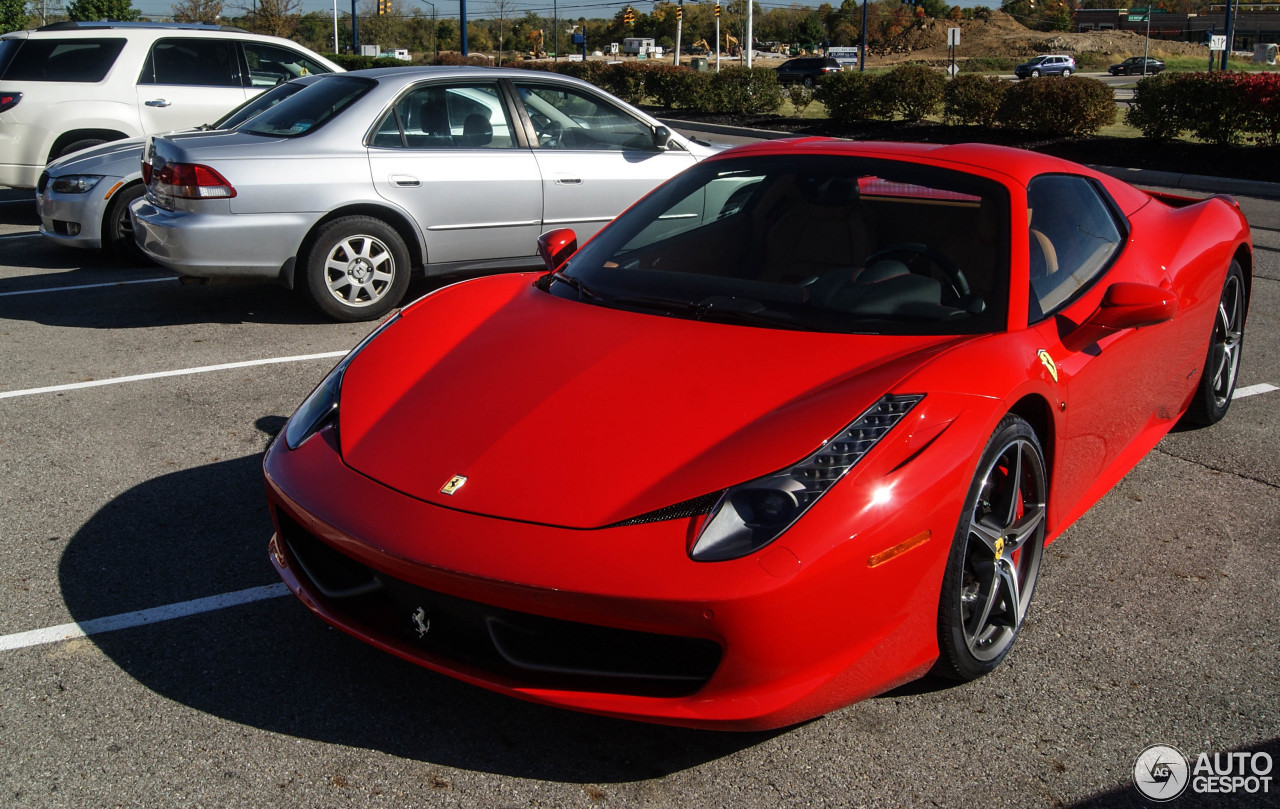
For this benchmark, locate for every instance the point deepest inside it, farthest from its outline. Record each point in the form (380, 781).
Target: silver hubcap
(1003, 549)
(359, 270)
(1228, 331)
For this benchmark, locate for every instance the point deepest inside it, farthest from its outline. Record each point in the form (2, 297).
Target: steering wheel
(549, 134)
(908, 252)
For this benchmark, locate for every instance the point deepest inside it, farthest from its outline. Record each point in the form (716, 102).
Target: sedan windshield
(816, 243)
(309, 109)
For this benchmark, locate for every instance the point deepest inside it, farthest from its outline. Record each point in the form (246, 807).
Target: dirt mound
(1002, 35)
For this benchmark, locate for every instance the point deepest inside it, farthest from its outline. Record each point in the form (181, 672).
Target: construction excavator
(731, 46)
(700, 48)
(535, 39)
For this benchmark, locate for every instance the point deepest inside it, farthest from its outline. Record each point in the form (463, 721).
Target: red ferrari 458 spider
(791, 431)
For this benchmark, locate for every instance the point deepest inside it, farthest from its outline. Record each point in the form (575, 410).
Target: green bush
(972, 99)
(626, 81)
(348, 61)
(667, 84)
(799, 96)
(912, 91)
(1155, 110)
(1056, 106)
(1213, 106)
(739, 90)
(850, 96)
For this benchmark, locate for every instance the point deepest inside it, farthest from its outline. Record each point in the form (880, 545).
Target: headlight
(753, 514)
(321, 406)
(75, 183)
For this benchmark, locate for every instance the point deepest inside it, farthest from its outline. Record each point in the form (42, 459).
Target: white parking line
(1254, 390)
(86, 286)
(226, 366)
(128, 620)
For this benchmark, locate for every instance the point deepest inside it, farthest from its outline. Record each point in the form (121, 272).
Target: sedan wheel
(357, 268)
(995, 556)
(117, 226)
(1222, 366)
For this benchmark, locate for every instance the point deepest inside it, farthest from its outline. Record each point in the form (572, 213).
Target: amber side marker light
(897, 550)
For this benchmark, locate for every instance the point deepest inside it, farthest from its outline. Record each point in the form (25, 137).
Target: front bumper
(616, 621)
(217, 243)
(75, 220)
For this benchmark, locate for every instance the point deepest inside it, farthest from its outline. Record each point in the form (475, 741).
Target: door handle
(568, 181)
(405, 181)
(157, 102)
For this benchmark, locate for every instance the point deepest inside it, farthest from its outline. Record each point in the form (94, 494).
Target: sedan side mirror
(1124, 306)
(661, 137)
(555, 247)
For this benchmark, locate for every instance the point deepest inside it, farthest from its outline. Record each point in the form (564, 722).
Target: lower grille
(520, 648)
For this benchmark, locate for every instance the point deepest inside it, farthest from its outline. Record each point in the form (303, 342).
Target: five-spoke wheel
(995, 556)
(1222, 365)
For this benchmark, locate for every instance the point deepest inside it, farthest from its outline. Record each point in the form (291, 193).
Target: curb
(1149, 177)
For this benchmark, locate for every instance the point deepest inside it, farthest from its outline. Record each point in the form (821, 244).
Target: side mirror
(555, 247)
(1124, 306)
(661, 137)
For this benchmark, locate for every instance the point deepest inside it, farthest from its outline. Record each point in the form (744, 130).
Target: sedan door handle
(568, 181)
(157, 102)
(405, 181)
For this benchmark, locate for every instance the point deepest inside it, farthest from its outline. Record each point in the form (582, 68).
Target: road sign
(1137, 17)
(953, 37)
(952, 69)
(1218, 42)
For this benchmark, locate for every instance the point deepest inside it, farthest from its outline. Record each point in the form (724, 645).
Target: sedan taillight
(9, 100)
(192, 181)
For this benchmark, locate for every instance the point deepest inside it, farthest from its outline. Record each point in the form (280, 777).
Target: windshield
(311, 109)
(258, 104)
(817, 243)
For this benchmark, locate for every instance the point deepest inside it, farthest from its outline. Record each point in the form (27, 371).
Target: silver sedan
(344, 188)
(83, 199)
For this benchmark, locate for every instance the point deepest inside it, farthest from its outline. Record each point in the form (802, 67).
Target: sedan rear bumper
(219, 244)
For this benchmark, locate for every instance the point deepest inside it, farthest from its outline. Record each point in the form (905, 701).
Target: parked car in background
(71, 85)
(1137, 66)
(806, 70)
(83, 199)
(1048, 65)
(343, 188)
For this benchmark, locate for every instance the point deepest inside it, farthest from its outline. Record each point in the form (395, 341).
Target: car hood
(569, 414)
(119, 158)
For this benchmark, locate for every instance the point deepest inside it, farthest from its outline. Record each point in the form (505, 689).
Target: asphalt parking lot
(133, 511)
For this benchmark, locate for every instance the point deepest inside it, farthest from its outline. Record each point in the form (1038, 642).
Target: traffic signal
(717, 9)
(384, 7)
(679, 12)
(629, 16)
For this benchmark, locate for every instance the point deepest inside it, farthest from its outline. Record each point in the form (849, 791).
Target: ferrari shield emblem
(453, 485)
(1049, 364)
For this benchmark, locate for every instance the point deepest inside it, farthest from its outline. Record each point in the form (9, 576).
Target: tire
(1222, 364)
(995, 554)
(1035, 74)
(75, 146)
(1066, 74)
(808, 82)
(117, 227)
(357, 268)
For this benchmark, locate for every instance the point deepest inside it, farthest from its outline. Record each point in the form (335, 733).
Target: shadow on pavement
(273, 665)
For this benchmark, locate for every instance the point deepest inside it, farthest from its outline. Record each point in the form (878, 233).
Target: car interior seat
(813, 225)
(476, 131)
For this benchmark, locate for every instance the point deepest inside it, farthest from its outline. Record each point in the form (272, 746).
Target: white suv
(68, 86)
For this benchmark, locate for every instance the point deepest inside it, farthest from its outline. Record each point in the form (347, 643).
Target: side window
(568, 118)
(270, 65)
(470, 116)
(195, 62)
(1073, 237)
(80, 60)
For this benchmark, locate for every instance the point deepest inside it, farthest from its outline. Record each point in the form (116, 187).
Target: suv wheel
(356, 269)
(808, 82)
(1035, 74)
(1066, 72)
(75, 146)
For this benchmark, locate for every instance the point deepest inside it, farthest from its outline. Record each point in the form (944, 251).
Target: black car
(1133, 67)
(806, 70)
